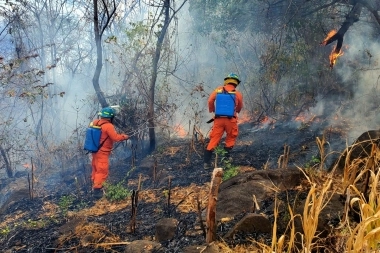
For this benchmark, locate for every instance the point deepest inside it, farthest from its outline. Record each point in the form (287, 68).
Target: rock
(236, 194)
(166, 229)
(17, 190)
(361, 148)
(144, 246)
(251, 223)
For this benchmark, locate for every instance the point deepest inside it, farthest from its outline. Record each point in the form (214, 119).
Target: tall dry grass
(362, 237)
(365, 236)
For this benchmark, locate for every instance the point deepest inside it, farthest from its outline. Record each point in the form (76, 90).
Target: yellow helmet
(232, 78)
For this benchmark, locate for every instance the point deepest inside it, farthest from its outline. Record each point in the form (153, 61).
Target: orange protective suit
(224, 124)
(100, 159)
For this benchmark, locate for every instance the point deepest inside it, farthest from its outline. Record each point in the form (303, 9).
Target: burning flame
(336, 52)
(244, 117)
(334, 56)
(329, 35)
(27, 166)
(267, 121)
(180, 130)
(306, 118)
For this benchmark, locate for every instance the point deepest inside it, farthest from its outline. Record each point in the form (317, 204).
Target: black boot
(227, 155)
(98, 193)
(207, 159)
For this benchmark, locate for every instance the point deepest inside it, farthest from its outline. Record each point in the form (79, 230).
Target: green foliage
(116, 192)
(35, 223)
(165, 193)
(65, 202)
(313, 161)
(5, 231)
(230, 170)
(219, 152)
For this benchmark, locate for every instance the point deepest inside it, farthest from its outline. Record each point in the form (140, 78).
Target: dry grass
(91, 233)
(365, 236)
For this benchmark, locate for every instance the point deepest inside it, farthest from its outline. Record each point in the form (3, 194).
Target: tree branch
(320, 8)
(351, 18)
(371, 9)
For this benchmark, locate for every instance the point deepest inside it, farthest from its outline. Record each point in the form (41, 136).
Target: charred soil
(170, 182)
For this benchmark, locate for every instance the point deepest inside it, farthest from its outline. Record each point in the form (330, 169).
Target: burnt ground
(73, 221)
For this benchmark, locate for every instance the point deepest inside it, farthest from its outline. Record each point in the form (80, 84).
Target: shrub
(116, 192)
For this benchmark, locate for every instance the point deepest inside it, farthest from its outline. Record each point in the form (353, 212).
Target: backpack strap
(101, 144)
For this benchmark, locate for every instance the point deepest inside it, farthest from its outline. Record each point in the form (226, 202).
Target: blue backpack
(225, 103)
(92, 140)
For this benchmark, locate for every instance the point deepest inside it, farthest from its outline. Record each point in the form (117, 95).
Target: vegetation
(116, 192)
(229, 170)
(158, 66)
(5, 231)
(65, 202)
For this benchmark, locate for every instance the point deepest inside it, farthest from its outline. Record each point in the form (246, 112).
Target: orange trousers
(220, 126)
(100, 168)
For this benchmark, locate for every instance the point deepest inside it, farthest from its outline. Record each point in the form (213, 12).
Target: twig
(200, 216)
(31, 192)
(169, 190)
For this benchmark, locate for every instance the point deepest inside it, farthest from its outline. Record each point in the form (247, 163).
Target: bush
(116, 192)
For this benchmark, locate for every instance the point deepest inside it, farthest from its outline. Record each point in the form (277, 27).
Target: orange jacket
(109, 134)
(228, 87)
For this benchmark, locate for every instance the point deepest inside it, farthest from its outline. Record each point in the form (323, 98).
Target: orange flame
(334, 56)
(329, 35)
(26, 166)
(180, 130)
(267, 121)
(306, 117)
(244, 117)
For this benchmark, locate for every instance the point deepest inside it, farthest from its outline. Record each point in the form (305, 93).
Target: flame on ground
(304, 117)
(180, 130)
(267, 121)
(244, 117)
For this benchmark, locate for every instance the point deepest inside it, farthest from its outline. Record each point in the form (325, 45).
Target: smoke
(359, 70)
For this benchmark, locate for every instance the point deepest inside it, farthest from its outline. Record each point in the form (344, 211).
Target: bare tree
(167, 12)
(104, 13)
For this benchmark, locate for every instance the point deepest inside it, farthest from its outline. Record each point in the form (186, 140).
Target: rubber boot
(98, 193)
(207, 159)
(227, 155)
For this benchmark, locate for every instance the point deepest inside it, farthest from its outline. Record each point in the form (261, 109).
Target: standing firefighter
(225, 101)
(100, 159)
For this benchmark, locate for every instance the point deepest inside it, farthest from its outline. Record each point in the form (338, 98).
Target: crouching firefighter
(225, 102)
(100, 158)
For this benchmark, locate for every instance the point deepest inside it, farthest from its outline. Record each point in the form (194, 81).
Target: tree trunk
(99, 57)
(152, 86)
(7, 163)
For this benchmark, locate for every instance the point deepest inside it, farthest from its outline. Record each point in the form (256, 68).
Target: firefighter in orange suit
(224, 123)
(100, 159)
